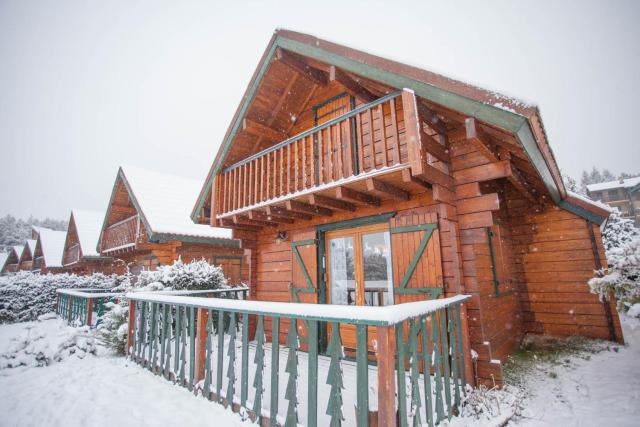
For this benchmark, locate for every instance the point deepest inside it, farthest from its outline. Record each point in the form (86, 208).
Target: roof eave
(518, 124)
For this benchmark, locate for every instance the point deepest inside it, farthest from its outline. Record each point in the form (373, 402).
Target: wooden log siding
(122, 234)
(210, 346)
(363, 140)
(71, 255)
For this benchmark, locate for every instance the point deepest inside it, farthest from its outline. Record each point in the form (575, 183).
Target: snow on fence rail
(195, 342)
(79, 305)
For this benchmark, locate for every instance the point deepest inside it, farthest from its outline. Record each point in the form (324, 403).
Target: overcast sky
(88, 85)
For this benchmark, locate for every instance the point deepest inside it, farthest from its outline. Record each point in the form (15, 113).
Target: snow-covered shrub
(24, 296)
(180, 276)
(623, 276)
(48, 341)
(196, 275)
(622, 246)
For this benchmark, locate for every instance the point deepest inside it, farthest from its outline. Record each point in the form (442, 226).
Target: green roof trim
(582, 212)
(515, 123)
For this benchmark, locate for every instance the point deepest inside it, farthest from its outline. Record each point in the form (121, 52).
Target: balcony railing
(72, 255)
(121, 235)
(367, 139)
(210, 346)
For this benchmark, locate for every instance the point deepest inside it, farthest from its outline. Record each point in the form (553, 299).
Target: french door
(359, 271)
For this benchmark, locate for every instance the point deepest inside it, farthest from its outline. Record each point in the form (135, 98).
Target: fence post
(131, 326)
(201, 343)
(89, 311)
(70, 308)
(385, 352)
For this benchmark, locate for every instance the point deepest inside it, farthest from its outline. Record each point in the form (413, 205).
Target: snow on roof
(88, 226)
(52, 244)
(166, 203)
(18, 250)
(624, 183)
(32, 246)
(4, 256)
(591, 201)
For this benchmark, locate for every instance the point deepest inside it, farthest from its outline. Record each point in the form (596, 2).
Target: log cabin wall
(554, 252)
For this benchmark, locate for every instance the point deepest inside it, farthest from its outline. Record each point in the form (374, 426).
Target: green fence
(229, 352)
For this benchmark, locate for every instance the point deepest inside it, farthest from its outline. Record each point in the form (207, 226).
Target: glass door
(359, 270)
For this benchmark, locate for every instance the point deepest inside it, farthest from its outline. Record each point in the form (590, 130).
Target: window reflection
(343, 285)
(378, 286)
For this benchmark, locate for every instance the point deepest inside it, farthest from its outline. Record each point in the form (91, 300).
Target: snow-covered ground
(65, 378)
(602, 389)
(90, 390)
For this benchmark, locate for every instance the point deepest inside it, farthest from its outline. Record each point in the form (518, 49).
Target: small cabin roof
(88, 225)
(520, 119)
(31, 244)
(18, 249)
(618, 183)
(51, 244)
(164, 202)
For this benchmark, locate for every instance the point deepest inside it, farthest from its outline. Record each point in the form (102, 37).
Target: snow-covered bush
(48, 341)
(24, 296)
(622, 279)
(196, 275)
(180, 276)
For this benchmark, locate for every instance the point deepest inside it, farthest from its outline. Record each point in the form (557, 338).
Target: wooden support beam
(501, 169)
(258, 129)
(228, 223)
(261, 216)
(327, 202)
(479, 139)
(346, 193)
(515, 178)
(298, 64)
(410, 179)
(413, 131)
(431, 118)
(244, 220)
(434, 147)
(383, 188)
(486, 202)
(436, 176)
(305, 208)
(283, 212)
(352, 86)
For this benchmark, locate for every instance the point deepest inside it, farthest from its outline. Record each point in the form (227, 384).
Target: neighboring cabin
(26, 258)
(353, 179)
(48, 251)
(12, 263)
(80, 254)
(623, 194)
(147, 224)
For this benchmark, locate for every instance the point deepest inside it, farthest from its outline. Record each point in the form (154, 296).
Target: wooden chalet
(26, 258)
(353, 179)
(47, 256)
(80, 254)
(147, 224)
(12, 263)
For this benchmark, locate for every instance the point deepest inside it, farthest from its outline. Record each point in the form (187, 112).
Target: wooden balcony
(121, 236)
(71, 255)
(375, 152)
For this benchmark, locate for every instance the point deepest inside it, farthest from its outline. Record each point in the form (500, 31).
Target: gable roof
(31, 244)
(618, 183)
(163, 203)
(88, 225)
(29, 248)
(4, 257)
(18, 249)
(520, 119)
(51, 243)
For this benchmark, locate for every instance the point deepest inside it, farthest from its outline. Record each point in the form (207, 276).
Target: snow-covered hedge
(622, 246)
(195, 275)
(25, 296)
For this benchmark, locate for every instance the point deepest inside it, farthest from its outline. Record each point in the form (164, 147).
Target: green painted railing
(87, 306)
(84, 306)
(248, 355)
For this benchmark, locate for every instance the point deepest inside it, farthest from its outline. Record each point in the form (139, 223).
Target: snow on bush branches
(179, 276)
(24, 296)
(622, 246)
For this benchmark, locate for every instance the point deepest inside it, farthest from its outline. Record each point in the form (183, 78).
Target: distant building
(623, 194)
